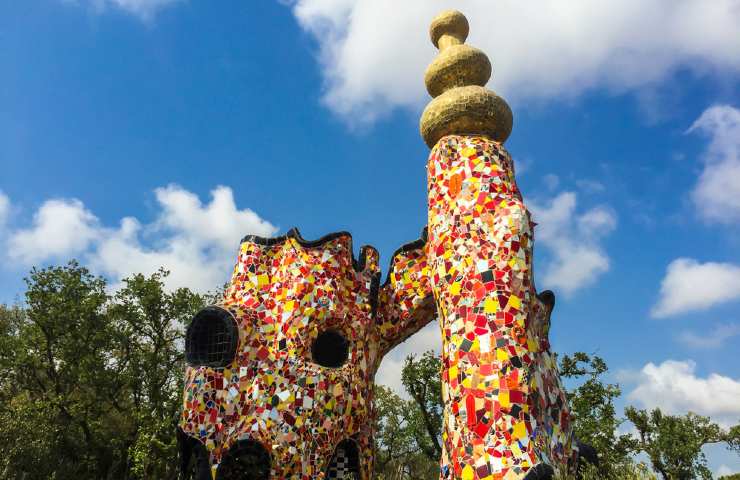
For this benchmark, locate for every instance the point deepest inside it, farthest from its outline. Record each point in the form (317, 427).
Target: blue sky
(139, 133)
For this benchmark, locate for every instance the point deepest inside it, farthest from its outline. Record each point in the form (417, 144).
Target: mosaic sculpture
(280, 374)
(506, 414)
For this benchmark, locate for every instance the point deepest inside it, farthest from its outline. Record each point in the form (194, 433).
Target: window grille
(211, 338)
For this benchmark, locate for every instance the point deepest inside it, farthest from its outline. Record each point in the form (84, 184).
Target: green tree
(674, 442)
(395, 446)
(61, 370)
(408, 432)
(91, 381)
(421, 379)
(151, 323)
(595, 421)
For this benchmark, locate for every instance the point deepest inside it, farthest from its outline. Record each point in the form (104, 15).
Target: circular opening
(330, 349)
(211, 338)
(345, 464)
(247, 460)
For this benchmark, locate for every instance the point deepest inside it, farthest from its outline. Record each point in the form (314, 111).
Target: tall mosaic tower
(506, 415)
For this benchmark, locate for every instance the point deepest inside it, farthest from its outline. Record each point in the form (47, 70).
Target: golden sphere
(450, 22)
(471, 110)
(457, 66)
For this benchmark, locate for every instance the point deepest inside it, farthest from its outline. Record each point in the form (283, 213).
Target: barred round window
(211, 338)
(330, 349)
(247, 460)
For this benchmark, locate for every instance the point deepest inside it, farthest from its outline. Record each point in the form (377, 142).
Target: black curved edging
(232, 330)
(295, 234)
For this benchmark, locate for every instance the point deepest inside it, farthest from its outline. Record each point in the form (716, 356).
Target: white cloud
(374, 52)
(144, 9)
(61, 228)
(689, 286)
(198, 243)
(574, 241)
(723, 470)
(219, 223)
(717, 193)
(714, 338)
(674, 387)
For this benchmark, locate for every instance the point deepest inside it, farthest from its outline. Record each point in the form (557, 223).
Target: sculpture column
(500, 383)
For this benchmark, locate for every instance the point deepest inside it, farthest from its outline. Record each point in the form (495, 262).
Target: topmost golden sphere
(450, 22)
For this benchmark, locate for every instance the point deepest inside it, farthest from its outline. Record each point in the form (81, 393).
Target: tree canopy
(91, 379)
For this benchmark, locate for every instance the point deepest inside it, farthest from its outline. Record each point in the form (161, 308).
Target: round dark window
(247, 460)
(211, 338)
(330, 349)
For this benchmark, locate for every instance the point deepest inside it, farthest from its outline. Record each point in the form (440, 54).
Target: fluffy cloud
(196, 242)
(689, 286)
(674, 387)
(374, 52)
(574, 240)
(61, 228)
(723, 470)
(217, 224)
(713, 338)
(717, 193)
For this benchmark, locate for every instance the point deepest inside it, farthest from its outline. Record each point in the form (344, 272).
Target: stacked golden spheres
(456, 79)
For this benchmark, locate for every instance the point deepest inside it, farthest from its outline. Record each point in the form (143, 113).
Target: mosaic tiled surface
(283, 293)
(505, 410)
(405, 301)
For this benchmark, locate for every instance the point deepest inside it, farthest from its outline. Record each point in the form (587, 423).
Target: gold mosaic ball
(470, 110)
